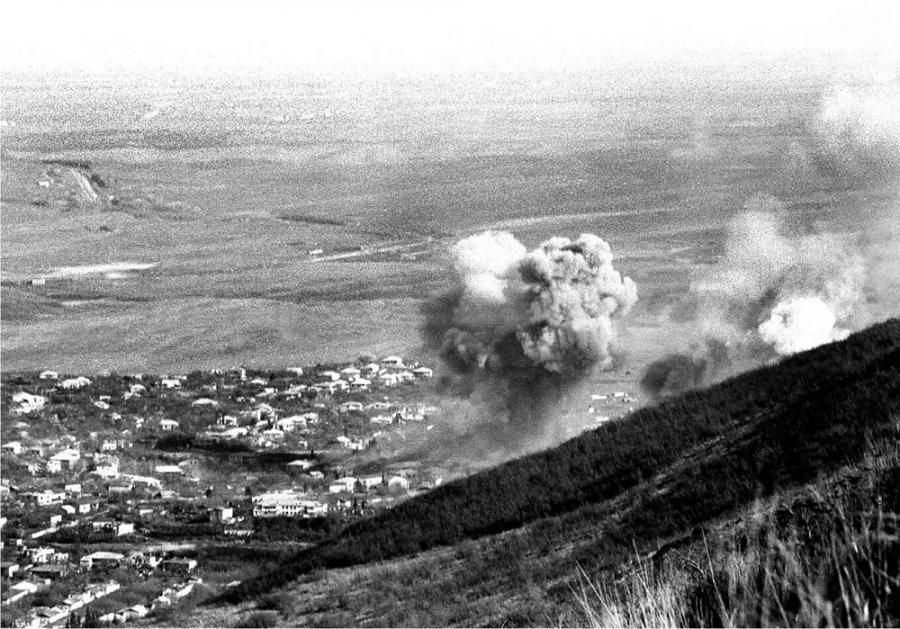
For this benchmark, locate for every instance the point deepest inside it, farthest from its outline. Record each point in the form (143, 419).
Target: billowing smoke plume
(780, 290)
(773, 293)
(527, 325)
(765, 268)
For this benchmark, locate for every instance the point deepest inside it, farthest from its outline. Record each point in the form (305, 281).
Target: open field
(222, 195)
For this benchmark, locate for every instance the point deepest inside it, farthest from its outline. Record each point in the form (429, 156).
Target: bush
(260, 619)
(772, 571)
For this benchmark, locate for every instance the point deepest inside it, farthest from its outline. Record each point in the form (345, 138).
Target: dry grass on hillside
(837, 571)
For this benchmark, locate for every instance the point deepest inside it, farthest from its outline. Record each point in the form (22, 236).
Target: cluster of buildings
(28, 570)
(82, 459)
(607, 406)
(59, 615)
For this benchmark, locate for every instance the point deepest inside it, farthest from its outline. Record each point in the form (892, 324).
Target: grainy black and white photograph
(450, 314)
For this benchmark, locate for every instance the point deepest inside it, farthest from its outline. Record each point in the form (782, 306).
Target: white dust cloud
(800, 324)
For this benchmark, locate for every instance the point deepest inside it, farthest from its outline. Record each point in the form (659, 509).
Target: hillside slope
(783, 424)
(629, 487)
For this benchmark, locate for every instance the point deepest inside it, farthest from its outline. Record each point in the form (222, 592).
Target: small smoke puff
(800, 324)
(857, 132)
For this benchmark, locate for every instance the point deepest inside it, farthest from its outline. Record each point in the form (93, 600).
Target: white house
(227, 420)
(101, 558)
(423, 372)
(168, 424)
(287, 503)
(13, 447)
(392, 362)
(66, 459)
(204, 401)
(347, 483)
(303, 464)
(348, 373)
(350, 407)
(49, 375)
(289, 424)
(26, 403)
(326, 387)
(398, 483)
(311, 417)
(360, 384)
(41, 554)
(273, 434)
(73, 489)
(371, 369)
(107, 467)
(297, 371)
(235, 433)
(385, 420)
(371, 481)
(221, 515)
(410, 414)
(124, 528)
(263, 410)
(331, 376)
(388, 379)
(75, 383)
(47, 497)
(170, 383)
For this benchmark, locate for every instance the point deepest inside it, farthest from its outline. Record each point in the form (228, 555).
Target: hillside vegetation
(654, 476)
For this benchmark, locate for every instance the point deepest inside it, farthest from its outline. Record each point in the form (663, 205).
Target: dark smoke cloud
(677, 373)
(523, 327)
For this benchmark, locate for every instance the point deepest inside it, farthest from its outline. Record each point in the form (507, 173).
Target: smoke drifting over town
(777, 292)
(522, 327)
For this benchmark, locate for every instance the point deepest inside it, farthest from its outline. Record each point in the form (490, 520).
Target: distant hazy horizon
(402, 38)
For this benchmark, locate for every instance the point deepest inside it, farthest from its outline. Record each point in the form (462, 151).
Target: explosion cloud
(776, 292)
(766, 269)
(773, 293)
(528, 324)
(799, 324)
